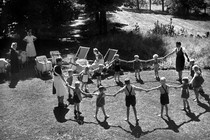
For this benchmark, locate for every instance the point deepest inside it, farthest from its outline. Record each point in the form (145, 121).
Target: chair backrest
(3, 62)
(41, 58)
(54, 53)
(82, 52)
(109, 56)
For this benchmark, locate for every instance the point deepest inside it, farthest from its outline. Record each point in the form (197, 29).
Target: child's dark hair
(127, 81)
(178, 43)
(58, 60)
(185, 79)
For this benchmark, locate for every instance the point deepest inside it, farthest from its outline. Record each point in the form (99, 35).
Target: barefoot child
(98, 74)
(164, 91)
(137, 66)
(156, 60)
(197, 82)
(85, 75)
(100, 101)
(117, 67)
(69, 81)
(130, 97)
(185, 93)
(77, 98)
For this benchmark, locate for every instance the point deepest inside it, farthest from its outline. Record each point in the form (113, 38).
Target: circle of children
(60, 83)
(63, 86)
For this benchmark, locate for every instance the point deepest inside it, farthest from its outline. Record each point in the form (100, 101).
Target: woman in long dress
(14, 61)
(180, 59)
(30, 48)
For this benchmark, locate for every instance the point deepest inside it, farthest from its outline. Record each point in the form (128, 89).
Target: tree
(183, 7)
(36, 14)
(150, 5)
(137, 3)
(99, 9)
(163, 5)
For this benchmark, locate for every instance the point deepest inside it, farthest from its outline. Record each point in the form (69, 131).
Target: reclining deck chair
(54, 55)
(82, 52)
(80, 58)
(109, 56)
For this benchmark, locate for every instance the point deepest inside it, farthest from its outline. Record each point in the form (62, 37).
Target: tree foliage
(36, 14)
(183, 7)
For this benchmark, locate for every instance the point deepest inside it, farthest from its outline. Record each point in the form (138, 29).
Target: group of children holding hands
(129, 89)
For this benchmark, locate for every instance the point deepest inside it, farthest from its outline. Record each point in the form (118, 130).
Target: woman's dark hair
(178, 43)
(58, 60)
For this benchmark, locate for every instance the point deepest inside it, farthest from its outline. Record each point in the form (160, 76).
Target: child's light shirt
(131, 90)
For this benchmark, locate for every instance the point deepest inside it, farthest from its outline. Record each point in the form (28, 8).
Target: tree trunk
(137, 4)
(150, 5)
(103, 21)
(97, 17)
(163, 5)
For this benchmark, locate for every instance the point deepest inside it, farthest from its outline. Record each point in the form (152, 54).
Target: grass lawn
(29, 112)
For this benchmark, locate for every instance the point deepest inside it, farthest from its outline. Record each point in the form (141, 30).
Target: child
(137, 66)
(69, 81)
(185, 93)
(197, 82)
(100, 101)
(85, 75)
(77, 98)
(156, 65)
(164, 91)
(130, 98)
(98, 74)
(117, 67)
(192, 63)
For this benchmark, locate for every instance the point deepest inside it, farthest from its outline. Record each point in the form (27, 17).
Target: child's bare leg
(82, 85)
(166, 110)
(139, 74)
(128, 111)
(180, 75)
(196, 94)
(99, 80)
(106, 116)
(75, 111)
(115, 75)
(118, 76)
(95, 116)
(136, 73)
(135, 114)
(184, 104)
(161, 114)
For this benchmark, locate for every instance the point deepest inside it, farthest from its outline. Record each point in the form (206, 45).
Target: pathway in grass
(28, 112)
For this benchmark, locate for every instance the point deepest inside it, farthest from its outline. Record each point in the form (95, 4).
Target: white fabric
(3, 64)
(23, 57)
(54, 55)
(96, 64)
(42, 64)
(30, 48)
(61, 89)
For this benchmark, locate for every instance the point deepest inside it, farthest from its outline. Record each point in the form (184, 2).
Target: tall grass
(129, 44)
(196, 48)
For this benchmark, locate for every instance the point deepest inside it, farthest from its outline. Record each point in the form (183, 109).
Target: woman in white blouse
(30, 48)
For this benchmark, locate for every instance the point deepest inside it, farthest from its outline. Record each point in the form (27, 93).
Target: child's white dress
(30, 48)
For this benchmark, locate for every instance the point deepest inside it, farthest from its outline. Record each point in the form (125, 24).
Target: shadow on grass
(59, 113)
(103, 124)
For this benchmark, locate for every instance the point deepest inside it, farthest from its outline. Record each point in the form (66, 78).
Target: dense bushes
(130, 43)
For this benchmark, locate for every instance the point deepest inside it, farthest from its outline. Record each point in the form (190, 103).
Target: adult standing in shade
(180, 59)
(30, 48)
(14, 59)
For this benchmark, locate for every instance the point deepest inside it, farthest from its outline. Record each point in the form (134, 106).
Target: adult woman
(99, 58)
(60, 83)
(180, 59)
(14, 61)
(30, 48)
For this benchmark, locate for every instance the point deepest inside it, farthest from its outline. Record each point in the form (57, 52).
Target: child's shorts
(130, 100)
